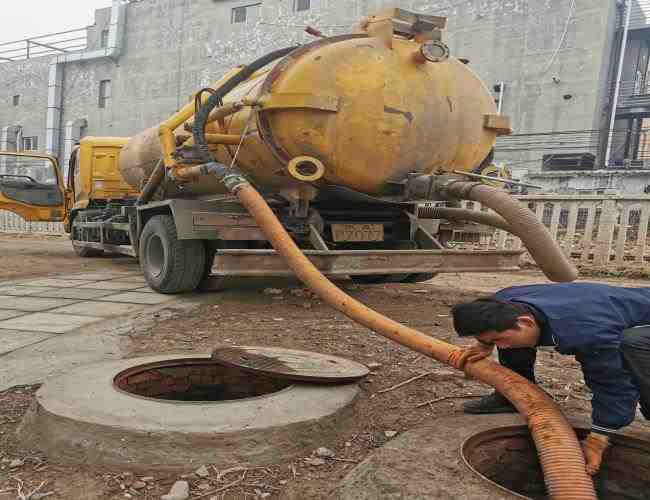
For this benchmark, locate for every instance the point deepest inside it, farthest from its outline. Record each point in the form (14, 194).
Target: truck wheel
(216, 283)
(83, 251)
(170, 265)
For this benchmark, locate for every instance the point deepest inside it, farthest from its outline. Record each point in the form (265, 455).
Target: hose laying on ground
(544, 250)
(477, 216)
(559, 451)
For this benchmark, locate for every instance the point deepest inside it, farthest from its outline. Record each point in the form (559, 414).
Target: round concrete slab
(426, 463)
(81, 417)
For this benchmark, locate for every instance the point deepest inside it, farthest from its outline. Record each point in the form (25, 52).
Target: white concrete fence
(600, 231)
(12, 223)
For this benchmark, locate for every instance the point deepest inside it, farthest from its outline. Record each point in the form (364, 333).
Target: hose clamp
(231, 177)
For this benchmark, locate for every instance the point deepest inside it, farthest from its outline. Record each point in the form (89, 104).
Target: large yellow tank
(370, 109)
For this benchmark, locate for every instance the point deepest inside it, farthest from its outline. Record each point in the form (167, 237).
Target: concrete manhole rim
(101, 404)
(174, 361)
(80, 418)
(479, 437)
(627, 440)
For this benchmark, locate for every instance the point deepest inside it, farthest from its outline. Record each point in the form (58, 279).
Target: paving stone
(146, 289)
(57, 283)
(10, 340)
(73, 293)
(19, 290)
(138, 298)
(10, 313)
(30, 303)
(93, 308)
(133, 279)
(112, 285)
(47, 322)
(89, 276)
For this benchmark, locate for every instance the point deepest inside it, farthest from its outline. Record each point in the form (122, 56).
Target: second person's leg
(521, 361)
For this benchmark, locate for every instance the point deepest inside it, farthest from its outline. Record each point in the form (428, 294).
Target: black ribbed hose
(203, 113)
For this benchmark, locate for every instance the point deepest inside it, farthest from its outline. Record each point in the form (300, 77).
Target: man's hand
(594, 447)
(459, 358)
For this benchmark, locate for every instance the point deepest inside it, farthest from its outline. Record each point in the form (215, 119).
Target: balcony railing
(634, 93)
(640, 15)
(44, 45)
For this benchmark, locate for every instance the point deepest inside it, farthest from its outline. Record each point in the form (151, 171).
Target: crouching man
(594, 322)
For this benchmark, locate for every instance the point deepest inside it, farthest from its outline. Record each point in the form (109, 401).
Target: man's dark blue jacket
(587, 320)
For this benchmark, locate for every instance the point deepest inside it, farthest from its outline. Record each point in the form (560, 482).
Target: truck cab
(31, 185)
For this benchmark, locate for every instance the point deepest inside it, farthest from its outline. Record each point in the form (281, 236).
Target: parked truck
(345, 137)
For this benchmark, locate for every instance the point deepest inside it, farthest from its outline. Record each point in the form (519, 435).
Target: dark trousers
(635, 348)
(520, 360)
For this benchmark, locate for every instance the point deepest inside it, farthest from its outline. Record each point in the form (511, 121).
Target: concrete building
(552, 65)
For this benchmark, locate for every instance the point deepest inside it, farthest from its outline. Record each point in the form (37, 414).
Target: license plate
(358, 232)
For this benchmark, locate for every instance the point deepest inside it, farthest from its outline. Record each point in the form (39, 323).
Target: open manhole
(199, 380)
(175, 410)
(508, 458)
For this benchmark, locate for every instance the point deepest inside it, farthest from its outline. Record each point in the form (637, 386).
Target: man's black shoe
(492, 403)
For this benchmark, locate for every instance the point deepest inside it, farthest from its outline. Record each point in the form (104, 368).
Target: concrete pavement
(48, 325)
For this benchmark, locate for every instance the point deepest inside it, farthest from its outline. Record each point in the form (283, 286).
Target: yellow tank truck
(345, 137)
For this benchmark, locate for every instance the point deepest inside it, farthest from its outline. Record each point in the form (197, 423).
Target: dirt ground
(294, 319)
(23, 256)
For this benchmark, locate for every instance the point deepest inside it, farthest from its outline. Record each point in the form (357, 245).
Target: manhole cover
(291, 364)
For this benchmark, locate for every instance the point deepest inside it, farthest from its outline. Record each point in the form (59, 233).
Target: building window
(238, 15)
(30, 143)
(243, 13)
(104, 92)
(299, 5)
(16, 100)
(103, 39)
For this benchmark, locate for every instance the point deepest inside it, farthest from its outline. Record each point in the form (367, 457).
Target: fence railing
(44, 45)
(598, 231)
(601, 231)
(634, 93)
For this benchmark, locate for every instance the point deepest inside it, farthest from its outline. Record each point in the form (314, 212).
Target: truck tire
(82, 251)
(170, 265)
(216, 283)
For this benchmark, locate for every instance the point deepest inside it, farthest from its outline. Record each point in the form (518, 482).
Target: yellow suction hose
(559, 451)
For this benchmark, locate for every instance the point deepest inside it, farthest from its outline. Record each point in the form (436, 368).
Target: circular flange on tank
(306, 168)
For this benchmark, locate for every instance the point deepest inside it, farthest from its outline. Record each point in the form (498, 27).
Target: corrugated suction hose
(457, 214)
(558, 448)
(538, 241)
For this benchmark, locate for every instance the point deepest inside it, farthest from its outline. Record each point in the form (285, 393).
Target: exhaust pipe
(558, 448)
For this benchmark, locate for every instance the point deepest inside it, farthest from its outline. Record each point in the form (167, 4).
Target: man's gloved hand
(478, 351)
(594, 447)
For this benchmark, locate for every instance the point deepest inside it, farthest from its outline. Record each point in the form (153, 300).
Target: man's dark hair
(485, 315)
